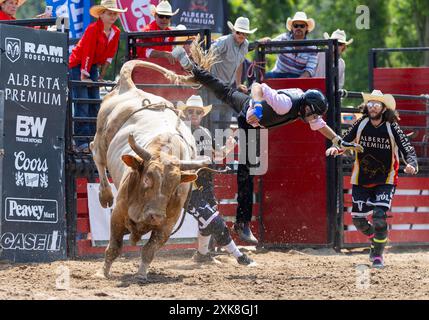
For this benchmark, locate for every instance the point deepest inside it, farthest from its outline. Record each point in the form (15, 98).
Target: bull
(150, 154)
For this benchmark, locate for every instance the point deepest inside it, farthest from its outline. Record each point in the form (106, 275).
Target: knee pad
(379, 219)
(218, 229)
(363, 225)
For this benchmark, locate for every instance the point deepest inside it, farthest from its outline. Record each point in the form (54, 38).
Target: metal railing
(45, 22)
(137, 39)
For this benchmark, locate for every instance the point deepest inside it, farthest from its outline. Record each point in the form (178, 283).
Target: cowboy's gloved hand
(344, 145)
(257, 105)
(254, 114)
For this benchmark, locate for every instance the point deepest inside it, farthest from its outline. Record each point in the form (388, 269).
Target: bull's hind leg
(157, 239)
(105, 194)
(117, 232)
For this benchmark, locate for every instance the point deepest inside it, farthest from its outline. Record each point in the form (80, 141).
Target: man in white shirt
(340, 35)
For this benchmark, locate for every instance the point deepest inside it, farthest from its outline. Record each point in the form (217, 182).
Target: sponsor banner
(31, 210)
(201, 14)
(76, 10)
(33, 76)
(99, 219)
(31, 241)
(138, 14)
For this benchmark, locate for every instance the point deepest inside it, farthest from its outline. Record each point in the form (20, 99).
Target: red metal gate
(294, 190)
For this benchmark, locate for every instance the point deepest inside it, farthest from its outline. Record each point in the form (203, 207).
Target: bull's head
(152, 183)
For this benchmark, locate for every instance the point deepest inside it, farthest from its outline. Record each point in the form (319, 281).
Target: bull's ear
(188, 177)
(132, 162)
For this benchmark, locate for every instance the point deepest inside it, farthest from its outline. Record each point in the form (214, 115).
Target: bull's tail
(126, 83)
(204, 60)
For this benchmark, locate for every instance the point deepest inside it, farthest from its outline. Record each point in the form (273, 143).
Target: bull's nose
(155, 219)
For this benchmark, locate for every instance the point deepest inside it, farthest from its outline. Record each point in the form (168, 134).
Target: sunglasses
(374, 104)
(241, 33)
(302, 26)
(197, 112)
(161, 16)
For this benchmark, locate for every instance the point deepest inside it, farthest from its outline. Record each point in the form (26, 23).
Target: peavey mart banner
(33, 76)
(194, 14)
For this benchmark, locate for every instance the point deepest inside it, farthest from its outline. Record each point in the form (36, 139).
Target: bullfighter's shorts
(203, 212)
(365, 199)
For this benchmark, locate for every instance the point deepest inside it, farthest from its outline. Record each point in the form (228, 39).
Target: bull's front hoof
(106, 198)
(101, 274)
(105, 272)
(142, 278)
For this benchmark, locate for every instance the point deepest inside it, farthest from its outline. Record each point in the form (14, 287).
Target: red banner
(138, 14)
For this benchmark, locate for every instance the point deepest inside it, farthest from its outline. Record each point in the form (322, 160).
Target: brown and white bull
(148, 151)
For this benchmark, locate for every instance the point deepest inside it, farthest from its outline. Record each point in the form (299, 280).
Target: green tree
(409, 28)
(30, 9)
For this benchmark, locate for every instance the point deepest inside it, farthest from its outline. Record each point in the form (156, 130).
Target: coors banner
(33, 77)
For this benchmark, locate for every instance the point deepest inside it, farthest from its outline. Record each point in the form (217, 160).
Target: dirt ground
(288, 274)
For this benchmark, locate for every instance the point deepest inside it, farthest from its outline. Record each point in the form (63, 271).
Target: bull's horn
(141, 152)
(195, 164)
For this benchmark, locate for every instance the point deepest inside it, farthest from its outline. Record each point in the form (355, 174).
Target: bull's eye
(147, 182)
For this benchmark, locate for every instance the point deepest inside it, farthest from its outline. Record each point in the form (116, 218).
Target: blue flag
(76, 10)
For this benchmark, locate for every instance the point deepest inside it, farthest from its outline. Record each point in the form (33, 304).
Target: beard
(376, 116)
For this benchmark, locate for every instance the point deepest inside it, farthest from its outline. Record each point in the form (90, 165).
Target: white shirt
(282, 104)
(321, 68)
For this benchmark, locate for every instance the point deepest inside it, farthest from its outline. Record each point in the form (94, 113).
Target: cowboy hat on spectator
(110, 5)
(242, 24)
(301, 16)
(194, 102)
(183, 38)
(164, 9)
(387, 99)
(340, 35)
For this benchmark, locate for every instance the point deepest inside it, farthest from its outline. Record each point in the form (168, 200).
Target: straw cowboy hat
(110, 5)
(387, 99)
(20, 2)
(163, 8)
(183, 38)
(242, 24)
(301, 16)
(194, 102)
(340, 35)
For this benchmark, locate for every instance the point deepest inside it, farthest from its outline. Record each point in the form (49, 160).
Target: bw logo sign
(13, 49)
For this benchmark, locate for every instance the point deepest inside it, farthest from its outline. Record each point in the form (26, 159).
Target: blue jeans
(85, 109)
(277, 75)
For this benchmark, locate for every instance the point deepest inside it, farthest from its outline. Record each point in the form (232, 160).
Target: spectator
(162, 13)
(203, 205)
(231, 51)
(97, 47)
(295, 65)
(340, 35)
(8, 9)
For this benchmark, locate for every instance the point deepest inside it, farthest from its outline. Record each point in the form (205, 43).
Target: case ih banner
(194, 14)
(33, 77)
